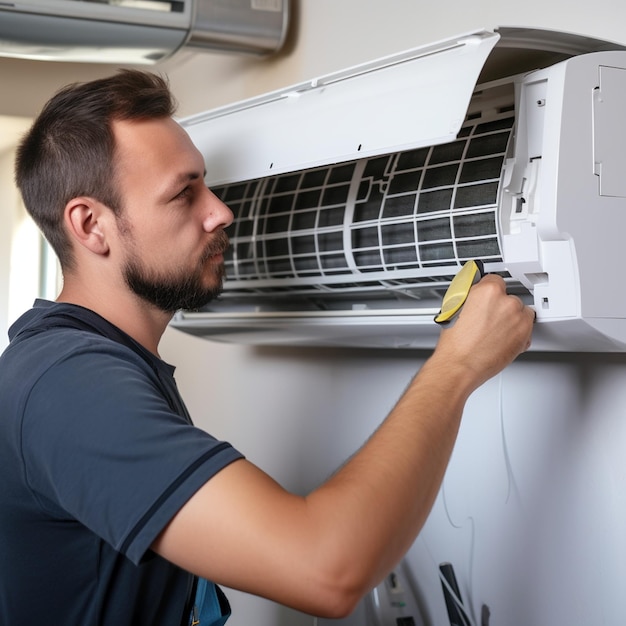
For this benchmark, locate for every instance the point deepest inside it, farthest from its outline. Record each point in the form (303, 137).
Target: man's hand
(492, 329)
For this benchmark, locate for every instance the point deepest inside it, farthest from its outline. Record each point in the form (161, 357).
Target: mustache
(218, 245)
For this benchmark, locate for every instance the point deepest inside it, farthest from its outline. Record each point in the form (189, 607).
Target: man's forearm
(375, 505)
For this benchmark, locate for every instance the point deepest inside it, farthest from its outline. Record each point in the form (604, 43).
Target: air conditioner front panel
(414, 99)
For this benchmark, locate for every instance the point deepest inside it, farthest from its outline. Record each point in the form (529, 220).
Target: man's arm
(322, 552)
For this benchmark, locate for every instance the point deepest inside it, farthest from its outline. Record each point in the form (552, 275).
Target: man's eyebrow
(182, 179)
(185, 177)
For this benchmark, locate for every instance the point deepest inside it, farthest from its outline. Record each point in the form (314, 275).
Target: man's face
(171, 226)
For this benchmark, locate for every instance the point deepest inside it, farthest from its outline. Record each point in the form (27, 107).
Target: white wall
(11, 214)
(549, 552)
(533, 505)
(530, 518)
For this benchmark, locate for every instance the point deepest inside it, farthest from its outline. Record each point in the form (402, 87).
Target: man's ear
(85, 220)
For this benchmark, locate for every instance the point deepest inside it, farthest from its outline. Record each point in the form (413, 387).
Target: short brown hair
(69, 150)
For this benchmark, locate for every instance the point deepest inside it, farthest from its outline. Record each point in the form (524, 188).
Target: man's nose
(218, 215)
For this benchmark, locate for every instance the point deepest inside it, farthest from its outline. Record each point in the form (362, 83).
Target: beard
(179, 289)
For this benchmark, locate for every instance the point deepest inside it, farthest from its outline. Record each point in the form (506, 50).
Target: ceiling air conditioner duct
(138, 31)
(358, 196)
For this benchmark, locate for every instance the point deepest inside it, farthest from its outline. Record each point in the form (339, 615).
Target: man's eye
(186, 192)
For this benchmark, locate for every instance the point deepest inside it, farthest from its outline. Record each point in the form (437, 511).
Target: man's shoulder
(47, 336)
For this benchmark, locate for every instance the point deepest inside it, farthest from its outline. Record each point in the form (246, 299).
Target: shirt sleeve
(102, 446)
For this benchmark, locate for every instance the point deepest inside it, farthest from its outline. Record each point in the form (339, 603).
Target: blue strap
(211, 607)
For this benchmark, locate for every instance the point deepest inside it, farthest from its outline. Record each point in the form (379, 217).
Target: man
(112, 502)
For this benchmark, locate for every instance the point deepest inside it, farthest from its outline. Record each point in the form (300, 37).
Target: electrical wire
(512, 489)
(512, 492)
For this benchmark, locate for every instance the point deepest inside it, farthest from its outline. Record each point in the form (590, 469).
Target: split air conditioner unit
(138, 31)
(359, 195)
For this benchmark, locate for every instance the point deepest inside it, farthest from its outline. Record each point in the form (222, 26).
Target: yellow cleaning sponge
(456, 294)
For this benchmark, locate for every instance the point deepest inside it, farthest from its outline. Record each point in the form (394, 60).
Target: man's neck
(137, 318)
